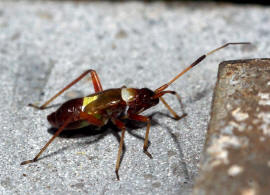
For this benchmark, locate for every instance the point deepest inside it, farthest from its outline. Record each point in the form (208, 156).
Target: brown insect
(111, 104)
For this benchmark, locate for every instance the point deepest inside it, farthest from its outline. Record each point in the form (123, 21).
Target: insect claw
(148, 154)
(117, 175)
(36, 107)
(27, 162)
(177, 117)
(33, 105)
(180, 117)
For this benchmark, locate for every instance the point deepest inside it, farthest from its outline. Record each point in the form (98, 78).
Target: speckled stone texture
(44, 45)
(236, 154)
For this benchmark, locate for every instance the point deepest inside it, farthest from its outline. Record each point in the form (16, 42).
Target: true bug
(111, 104)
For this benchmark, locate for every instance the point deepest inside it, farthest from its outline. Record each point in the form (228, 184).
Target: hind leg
(95, 80)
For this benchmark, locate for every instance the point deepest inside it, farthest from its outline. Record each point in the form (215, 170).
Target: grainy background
(44, 45)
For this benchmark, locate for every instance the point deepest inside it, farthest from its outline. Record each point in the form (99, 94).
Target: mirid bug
(111, 104)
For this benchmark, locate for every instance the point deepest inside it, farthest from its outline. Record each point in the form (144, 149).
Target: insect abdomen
(69, 109)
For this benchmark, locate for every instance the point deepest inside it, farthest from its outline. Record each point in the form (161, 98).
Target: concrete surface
(236, 154)
(44, 45)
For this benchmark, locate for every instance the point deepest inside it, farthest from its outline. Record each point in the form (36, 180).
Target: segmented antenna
(163, 87)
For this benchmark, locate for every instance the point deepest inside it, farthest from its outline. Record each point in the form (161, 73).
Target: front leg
(175, 115)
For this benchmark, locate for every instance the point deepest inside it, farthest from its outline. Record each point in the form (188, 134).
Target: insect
(111, 104)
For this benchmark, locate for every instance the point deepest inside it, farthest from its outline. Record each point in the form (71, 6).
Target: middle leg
(121, 126)
(146, 120)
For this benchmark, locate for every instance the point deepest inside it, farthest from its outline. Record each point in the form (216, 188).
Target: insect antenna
(159, 91)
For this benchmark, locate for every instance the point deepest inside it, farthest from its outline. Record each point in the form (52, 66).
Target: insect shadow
(110, 128)
(176, 141)
(99, 133)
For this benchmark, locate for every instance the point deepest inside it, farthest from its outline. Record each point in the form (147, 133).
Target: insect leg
(121, 126)
(91, 119)
(147, 120)
(95, 81)
(176, 116)
(48, 143)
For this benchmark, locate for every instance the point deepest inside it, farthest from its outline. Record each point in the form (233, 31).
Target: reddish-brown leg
(48, 143)
(91, 119)
(121, 126)
(95, 80)
(83, 116)
(176, 116)
(147, 120)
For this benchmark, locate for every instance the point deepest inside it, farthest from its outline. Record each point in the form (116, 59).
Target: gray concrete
(44, 45)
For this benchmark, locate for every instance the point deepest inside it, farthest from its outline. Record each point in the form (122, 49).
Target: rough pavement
(44, 45)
